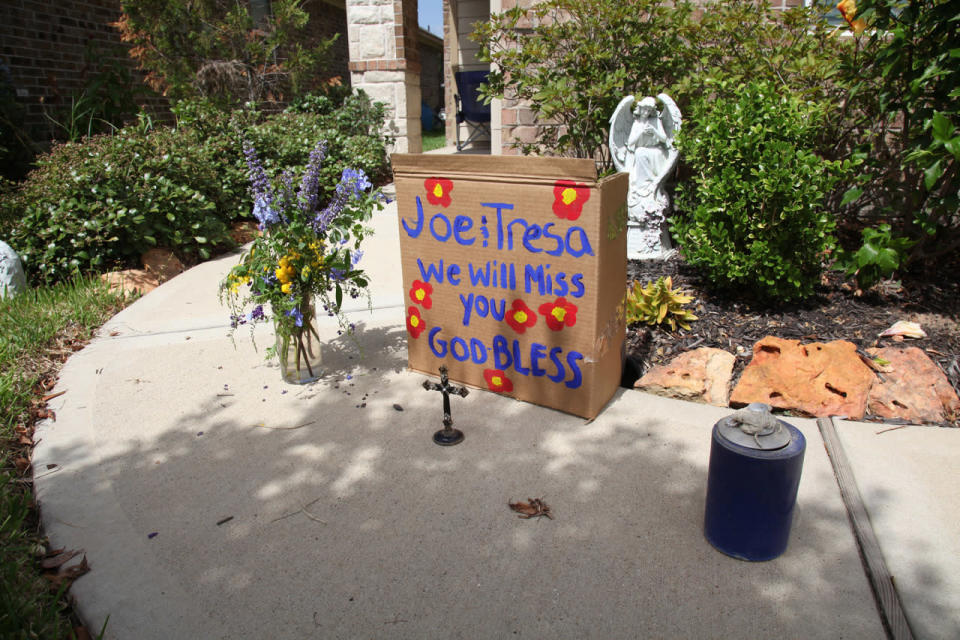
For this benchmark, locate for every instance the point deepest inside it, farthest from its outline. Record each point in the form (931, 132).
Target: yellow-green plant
(658, 303)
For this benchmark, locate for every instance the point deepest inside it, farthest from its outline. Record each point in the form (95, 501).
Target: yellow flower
(287, 287)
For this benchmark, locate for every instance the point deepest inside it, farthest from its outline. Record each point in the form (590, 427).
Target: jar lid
(755, 427)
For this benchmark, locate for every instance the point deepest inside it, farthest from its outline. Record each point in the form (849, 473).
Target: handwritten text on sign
(506, 290)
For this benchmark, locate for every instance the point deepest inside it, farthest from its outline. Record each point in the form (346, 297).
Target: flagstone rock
(162, 264)
(915, 389)
(702, 375)
(12, 278)
(817, 379)
(131, 280)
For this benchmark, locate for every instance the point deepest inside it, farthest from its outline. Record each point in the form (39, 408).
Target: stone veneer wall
(384, 62)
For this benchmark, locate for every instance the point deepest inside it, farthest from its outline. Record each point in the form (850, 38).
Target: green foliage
(94, 205)
(573, 60)
(912, 64)
(108, 98)
(752, 215)
(658, 303)
(101, 203)
(29, 328)
(880, 255)
(216, 49)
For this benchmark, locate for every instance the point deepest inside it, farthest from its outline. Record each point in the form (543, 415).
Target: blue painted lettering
(462, 224)
(577, 379)
(437, 345)
(478, 351)
(459, 342)
(414, 232)
(431, 271)
(433, 227)
(453, 275)
(537, 353)
(467, 308)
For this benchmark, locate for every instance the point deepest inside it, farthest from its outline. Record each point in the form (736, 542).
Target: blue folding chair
(470, 110)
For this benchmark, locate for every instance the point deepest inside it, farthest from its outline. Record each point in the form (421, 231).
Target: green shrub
(101, 203)
(752, 216)
(879, 257)
(573, 60)
(912, 66)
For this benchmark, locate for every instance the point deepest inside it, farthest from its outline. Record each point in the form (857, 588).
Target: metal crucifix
(448, 436)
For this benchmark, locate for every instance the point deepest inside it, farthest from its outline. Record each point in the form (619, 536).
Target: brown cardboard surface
(483, 237)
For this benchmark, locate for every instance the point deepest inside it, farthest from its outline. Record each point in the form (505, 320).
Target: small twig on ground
(901, 426)
(302, 510)
(263, 426)
(51, 396)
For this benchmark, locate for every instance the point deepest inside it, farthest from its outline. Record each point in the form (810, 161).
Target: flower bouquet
(306, 249)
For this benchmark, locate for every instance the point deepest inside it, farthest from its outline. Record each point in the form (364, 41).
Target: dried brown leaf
(57, 559)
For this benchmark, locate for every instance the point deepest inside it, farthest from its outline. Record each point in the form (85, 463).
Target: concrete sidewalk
(326, 511)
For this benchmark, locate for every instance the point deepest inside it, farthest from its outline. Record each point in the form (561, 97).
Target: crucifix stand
(448, 436)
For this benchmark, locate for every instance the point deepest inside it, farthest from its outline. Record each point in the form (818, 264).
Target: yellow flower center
(520, 316)
(420, 294)
(414, 321)
(568, 195)
(438, 190)
(559, 313)
(497, 381)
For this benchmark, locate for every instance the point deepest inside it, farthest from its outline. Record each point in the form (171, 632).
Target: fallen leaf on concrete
(59, 574)
(534, 507)
(58, 558)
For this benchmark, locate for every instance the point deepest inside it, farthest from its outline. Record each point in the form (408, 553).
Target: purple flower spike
(310, 185)
(296, 315)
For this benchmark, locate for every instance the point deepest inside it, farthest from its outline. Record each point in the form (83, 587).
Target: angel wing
(669, 117)
(620, 123)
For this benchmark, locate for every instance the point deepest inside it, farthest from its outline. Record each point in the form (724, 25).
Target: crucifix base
(448, 437)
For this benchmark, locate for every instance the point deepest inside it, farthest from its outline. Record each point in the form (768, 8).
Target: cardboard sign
(514, 272)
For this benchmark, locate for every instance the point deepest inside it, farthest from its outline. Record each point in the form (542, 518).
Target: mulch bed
(836, 312)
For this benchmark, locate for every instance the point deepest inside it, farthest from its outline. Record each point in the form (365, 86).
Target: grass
(38, 330)
(434, 140)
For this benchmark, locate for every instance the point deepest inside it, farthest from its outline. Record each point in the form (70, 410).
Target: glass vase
(299, 352)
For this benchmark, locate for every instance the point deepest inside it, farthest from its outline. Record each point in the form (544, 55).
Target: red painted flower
(438, 191)
(420, 293)
(415, 323)
(569, 198)
(497, 381)
(520, 316)
(559, 313)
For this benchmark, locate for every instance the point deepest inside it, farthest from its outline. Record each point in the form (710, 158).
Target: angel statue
(641, 143)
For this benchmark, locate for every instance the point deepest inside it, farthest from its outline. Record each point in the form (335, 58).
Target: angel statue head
(645, 108)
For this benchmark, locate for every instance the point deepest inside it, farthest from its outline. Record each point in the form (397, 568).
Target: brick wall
(53, 48)
(431, 70)
(326, 20)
